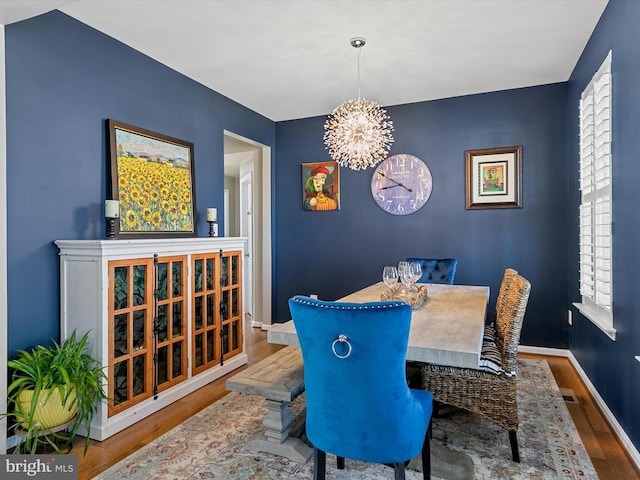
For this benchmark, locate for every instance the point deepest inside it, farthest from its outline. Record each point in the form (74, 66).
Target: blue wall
(611, 365)
(64, 79)
(335, 253)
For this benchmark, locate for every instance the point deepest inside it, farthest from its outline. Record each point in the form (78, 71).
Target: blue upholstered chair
(358, 403)
(434, 270)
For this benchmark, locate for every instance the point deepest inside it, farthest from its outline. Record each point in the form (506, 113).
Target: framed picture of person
(320, 186)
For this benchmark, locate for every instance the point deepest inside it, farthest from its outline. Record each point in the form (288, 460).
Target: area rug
(210, 445)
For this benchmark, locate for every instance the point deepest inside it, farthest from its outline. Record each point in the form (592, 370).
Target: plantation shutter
(595, 205)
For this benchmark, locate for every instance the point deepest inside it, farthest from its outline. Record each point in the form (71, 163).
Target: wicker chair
(490, 390)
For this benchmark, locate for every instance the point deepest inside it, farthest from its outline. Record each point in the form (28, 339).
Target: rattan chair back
(509, 321)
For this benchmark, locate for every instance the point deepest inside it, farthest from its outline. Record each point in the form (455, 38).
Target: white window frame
(596, 213)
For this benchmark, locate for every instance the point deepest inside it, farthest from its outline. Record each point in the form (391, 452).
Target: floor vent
(568, 395)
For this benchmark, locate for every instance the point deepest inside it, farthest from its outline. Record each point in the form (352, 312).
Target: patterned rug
(210, 445)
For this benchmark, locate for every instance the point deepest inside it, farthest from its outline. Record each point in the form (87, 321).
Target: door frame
(246, 222)
(262, 252)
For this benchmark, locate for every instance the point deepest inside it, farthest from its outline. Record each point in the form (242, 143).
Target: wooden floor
(607, 455)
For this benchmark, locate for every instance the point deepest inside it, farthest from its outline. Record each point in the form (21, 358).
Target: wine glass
(390, 277)
(404, 272)
(416, 271)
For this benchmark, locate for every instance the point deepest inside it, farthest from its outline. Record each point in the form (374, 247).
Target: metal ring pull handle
(341, 339)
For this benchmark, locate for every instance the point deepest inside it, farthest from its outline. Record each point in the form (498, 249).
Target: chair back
(509, 321)
(434, 270)
(509, 273)
(358, 403)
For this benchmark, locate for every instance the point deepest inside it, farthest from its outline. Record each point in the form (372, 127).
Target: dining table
(447, 329)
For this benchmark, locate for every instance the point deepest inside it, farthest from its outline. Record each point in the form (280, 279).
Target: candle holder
(212, 220)
(111, 213)
(111, 227)
(213, 228)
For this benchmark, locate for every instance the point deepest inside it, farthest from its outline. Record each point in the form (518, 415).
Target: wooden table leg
(276, 439)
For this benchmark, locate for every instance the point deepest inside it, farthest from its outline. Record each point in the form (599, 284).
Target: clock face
(401, 184)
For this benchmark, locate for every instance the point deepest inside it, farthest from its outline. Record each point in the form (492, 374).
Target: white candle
(212, 214)
(111, 208)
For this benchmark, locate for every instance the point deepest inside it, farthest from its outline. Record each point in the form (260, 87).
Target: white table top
(446, 330)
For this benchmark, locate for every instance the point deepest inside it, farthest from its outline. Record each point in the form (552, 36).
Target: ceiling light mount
(358, 42)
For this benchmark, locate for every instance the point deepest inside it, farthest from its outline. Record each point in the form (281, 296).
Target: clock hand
(396, 182)
(390, 186)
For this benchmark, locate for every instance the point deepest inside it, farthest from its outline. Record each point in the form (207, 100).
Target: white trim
(3, 245)
(551, 352)
(611, 419)
(596, 319)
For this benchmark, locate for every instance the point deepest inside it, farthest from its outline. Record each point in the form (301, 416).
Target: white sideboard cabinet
(165, 316)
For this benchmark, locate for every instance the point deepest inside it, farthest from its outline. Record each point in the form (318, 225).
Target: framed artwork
(320, 186)
(494, 178)
(152, 176)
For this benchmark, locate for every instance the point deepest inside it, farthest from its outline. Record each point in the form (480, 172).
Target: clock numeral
(401, 208)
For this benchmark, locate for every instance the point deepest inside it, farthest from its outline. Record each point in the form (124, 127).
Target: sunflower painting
(152, 177)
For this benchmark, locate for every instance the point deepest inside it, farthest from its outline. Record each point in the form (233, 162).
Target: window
(596, 277)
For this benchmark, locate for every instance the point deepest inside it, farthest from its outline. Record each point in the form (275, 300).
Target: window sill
(596, 319)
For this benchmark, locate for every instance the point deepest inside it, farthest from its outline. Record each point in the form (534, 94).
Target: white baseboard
(613, 422)
(554, 352)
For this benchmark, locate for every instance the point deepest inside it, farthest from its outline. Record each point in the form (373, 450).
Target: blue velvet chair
(358, 403)
(434, 270)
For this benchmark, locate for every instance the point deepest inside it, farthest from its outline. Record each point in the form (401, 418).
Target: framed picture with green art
(494, 178)
(152, 177)
(320, 186)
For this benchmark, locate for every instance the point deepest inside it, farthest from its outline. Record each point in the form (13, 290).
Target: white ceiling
(290, 59)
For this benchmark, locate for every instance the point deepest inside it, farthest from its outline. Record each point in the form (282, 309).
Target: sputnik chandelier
(358, 132)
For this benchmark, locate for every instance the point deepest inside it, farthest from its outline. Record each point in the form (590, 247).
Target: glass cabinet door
(231, 303)
(130, 333)
(205, 321)
(171, 326)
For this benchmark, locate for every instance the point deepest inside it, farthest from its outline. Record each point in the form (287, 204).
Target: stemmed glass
(390, 277)
(416, 272)
(404, 271)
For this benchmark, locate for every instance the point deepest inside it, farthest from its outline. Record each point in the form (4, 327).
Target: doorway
(247, 213)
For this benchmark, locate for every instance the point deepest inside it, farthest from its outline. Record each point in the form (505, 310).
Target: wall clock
(401, 184)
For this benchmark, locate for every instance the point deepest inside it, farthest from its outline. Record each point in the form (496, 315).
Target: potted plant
(53, 387)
